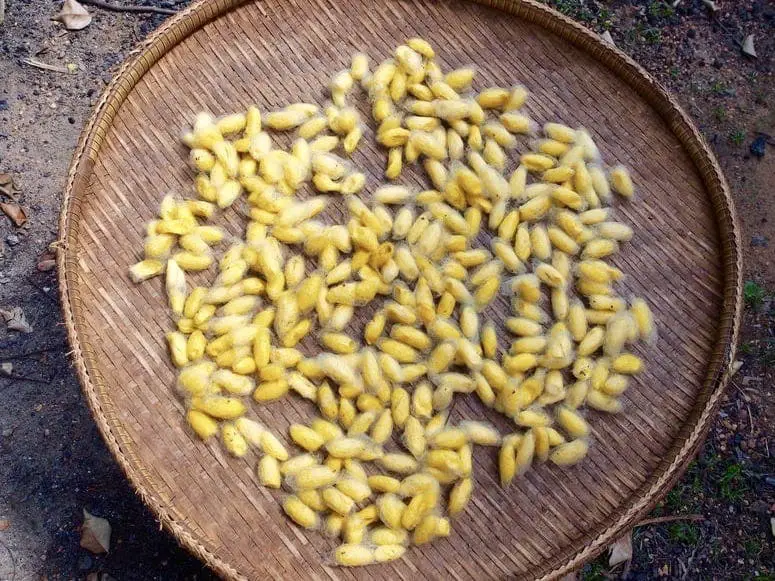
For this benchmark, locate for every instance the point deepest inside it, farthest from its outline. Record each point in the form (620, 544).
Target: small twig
(684, 570)
(45, 66)
(31, 353)
(726, 30)
(750, 419)
(670, 518)
(128, 8)
(689, 562)
(24, 378)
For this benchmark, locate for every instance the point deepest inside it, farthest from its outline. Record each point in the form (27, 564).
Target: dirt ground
(53, 463)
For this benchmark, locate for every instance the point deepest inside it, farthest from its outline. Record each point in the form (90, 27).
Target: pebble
(759, 240)
(12, 240)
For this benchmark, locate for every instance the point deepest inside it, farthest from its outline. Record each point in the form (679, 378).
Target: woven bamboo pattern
(222, 55)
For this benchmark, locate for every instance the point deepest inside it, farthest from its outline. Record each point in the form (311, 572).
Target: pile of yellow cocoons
(513, 211)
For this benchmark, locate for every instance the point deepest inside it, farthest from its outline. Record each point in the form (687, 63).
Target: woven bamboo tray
(221, 55)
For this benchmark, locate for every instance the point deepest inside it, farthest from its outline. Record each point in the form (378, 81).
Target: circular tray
(222, 55)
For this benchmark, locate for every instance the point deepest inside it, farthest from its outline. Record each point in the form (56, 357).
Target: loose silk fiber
(222, 55)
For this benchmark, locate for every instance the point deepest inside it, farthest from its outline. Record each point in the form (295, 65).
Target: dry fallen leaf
(621, 550)
(73, 15)
(5, 524)
(15, 212)
(15, 319)
(95, 533)
(8, 187)
(748, 48)
(734, 368)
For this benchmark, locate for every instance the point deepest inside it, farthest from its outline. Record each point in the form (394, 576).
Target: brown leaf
(15, 319)
(8, 187)
(73, 15)
(5, 524)
(621, 550)
(95, 533)
(15, 212)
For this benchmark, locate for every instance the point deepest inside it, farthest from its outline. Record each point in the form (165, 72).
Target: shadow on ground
(53, 464)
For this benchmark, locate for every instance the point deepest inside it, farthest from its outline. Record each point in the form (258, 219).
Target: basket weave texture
(222, 55)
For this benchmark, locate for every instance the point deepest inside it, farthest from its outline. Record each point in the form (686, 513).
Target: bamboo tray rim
(202, 12)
